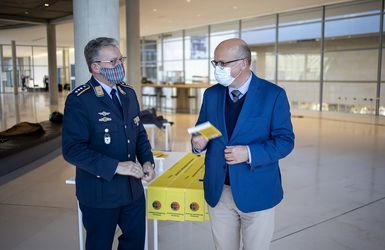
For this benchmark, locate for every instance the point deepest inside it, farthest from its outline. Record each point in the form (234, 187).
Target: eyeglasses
(222, 64)
(113, 62)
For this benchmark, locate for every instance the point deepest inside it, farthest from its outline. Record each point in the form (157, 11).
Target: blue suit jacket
(88, 112)
(264, 125)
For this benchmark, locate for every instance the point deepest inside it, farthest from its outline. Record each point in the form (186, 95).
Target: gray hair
(245, 52)
(91, 51)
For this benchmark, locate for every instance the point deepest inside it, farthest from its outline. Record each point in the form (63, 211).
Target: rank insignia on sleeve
(136, 120)
(99, 91)
(105, 119)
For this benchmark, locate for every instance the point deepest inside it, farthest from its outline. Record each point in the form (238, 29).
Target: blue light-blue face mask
(113, 75)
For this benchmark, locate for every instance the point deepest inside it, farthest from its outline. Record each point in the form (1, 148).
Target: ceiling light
(46, 5)
(188, 1)
(155, 10)
(235, 7)
(26, 12)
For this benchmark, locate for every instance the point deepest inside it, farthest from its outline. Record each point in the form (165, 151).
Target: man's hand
(199, 142)
(149, 172)
(130, 168)
(236, 154)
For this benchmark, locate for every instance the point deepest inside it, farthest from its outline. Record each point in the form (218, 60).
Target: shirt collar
(243, 89)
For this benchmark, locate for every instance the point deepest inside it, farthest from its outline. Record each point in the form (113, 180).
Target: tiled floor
(334, 187)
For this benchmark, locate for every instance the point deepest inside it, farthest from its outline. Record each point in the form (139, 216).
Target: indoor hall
(334, 189)
(327, 55)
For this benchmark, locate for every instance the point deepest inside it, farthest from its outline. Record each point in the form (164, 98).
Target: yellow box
(207, 216)
(156, 203)
(156, 193)
(178, 193)
(156, 197)
(194, 198)
(175, 198)
(157, 206)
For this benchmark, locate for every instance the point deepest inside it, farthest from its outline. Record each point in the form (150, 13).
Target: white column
(133, 46)
(14, 69)
(2, 87)
(63, 69)
(66, 62)
(92, 19)
(52, 64)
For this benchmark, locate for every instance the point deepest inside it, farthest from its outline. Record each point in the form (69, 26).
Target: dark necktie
(236, 95)
(116, 100)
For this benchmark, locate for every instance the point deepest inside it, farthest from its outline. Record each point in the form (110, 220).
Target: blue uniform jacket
(264, 125)
(96, 136)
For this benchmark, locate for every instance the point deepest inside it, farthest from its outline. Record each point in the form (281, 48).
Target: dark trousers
(100, 225)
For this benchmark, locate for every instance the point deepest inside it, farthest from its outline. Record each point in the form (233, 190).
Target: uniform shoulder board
(81, 89)
(123, 84)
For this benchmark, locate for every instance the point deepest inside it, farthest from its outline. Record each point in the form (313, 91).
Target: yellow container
(178, 193)
(194, 198)
(157, 192)
(175, 198)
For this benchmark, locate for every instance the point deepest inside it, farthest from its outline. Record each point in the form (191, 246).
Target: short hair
(245, 52)
(91, 51)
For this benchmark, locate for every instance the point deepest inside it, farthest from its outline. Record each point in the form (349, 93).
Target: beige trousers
(234, 230)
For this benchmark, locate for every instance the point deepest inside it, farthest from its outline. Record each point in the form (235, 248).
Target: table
(162, 164)
(152, 127)
(182, 92)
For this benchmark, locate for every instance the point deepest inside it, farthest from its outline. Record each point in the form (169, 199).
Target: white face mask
(223, 76)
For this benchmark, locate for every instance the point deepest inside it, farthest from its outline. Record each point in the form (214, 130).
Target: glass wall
(259, 33)
(351, 57)
(72, 67)
(32, 67)
(218, 33)
(173, 57)
(40, 68)
(150, 47)
(7, 69)
(339, 76)
(196, 55)
(299, 58)
(24, 63)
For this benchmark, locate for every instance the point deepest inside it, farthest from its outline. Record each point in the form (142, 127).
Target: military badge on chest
(107, 137)
(104, 118)
(136, 120)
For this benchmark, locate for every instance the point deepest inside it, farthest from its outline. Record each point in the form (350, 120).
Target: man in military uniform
(104, 138)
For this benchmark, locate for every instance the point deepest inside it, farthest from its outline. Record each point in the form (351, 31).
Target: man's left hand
(149, 172)
(236, 154)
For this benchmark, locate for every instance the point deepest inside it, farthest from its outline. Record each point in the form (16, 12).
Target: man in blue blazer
(104, 138)
(242, 182)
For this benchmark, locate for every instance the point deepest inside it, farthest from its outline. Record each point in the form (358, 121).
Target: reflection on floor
(334, 187)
